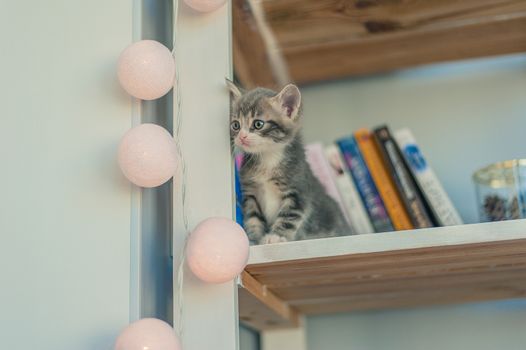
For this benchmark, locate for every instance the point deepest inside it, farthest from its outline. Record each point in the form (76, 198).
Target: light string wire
(177, 133)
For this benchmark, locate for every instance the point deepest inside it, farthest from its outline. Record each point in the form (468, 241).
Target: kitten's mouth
(246, 146)
(243, 143)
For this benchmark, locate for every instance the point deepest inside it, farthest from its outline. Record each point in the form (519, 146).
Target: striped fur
(283, 201)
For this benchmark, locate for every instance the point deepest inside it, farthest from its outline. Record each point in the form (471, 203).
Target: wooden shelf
(328, 39)
(443, 265)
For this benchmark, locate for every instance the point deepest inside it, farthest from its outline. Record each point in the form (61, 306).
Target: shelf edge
(281, 314)
(388, 241)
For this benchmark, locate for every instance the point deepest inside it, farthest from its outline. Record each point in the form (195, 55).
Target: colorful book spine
(359, 221)
(439, 202)
(384, 182)
(238, 161)
(320, 167)
(406, 185)
(365, 185)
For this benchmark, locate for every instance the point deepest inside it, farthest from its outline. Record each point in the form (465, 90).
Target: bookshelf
(324, 40)
(444, 265)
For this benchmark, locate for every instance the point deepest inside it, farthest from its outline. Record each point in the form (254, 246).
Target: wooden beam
(388, 52)
(260, 309)
(251, 62)
(447, 265)
(411, 299)
(330, 39)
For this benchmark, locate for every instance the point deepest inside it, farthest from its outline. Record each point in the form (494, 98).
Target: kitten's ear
(235, 92)
(288, 101)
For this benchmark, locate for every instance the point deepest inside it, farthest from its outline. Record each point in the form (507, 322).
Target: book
(439, 202)
(321, 169)
(383, 181)
(238, 161)
(407, 188)
(358, 218)
(365, 185)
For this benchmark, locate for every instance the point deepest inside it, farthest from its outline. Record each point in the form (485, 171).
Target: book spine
(383, 181)
(321, 169)
(238, 161)
(439, 202)
(365, 185)
(355, 209)
(407, 187)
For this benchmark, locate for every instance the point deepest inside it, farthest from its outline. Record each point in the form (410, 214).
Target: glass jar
(501, 190)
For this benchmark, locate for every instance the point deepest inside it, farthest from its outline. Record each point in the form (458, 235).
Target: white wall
(464, 115)
(488, 326)
(65, 208)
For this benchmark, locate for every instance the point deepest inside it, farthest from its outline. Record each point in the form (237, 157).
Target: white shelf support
(289, 338)
(209, 315)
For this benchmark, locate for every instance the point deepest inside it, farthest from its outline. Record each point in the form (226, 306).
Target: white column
(203, 51)
(289, 339)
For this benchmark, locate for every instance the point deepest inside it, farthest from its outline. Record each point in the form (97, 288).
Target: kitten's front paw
(272, 238)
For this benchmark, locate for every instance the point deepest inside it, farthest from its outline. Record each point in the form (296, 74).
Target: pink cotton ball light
(205, 5)
(217, 250)
(148, 155)
(146, 69)
(148, 333)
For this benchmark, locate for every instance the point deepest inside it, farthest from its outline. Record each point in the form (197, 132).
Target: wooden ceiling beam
(382, 53)
(252, 66)
(332, 39)
(261, 309)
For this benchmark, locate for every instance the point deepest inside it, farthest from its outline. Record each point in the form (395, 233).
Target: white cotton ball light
(217, 250)
(205, 5)
(146, 69)
(147, 155)
(148, 333)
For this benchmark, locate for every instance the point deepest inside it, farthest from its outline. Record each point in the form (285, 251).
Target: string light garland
(146, 70)
(217, 250)
(178, 287)
(148, 333)
(205, 5)
(148, 155)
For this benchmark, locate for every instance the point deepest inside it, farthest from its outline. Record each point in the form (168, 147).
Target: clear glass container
(501, 190)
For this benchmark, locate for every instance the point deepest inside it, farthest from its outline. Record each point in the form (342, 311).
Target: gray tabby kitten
(282, 200)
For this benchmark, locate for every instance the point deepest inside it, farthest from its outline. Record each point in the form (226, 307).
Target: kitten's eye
(235, 125)
(258, 124)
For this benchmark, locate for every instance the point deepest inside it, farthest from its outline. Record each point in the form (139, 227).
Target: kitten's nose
(243, 136)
